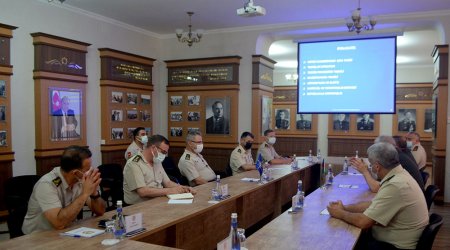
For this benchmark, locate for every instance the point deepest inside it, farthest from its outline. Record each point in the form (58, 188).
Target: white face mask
(159, 158)
(409, 144)
(199, 148)
(272, 140)
(143, 139)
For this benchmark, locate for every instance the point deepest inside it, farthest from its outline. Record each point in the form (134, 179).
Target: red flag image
(56, 101)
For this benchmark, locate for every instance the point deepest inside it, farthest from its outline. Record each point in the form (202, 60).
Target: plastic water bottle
(330, 175)
(294, 164)
(300, 195)
(218, 189)
(235, 241)
(310, 157)
(119, 225)
(356, 154)
(345, 167)
(319, 156)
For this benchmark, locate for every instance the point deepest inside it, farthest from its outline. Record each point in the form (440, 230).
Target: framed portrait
(146, 116)
(282, 118)
(365, 122)
(193, 100)
(303, 121)
(266, 114)
(65, 111)
(176, 116)
(406, 120)
(176, 100)
(116, 115)
(2, 88)
(145, 99)
(132, 98)
(193, 116)
(132, 115)
(218, 112)
(341, 122)
(2, 113)
(148, 131)
(193, 130)
(116, 97)
(429, 122)
(176, 131)
(130, 133)
(117, 133)
(3, 141)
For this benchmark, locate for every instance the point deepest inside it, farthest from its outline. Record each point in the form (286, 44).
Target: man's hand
(91, 181)
(176, 190)
(190, 190)
(336, 209)
(359, 165)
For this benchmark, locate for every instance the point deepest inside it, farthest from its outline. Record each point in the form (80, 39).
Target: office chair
(18, 190)
(173, 171)
(429, 233)
(430, 194)
(111, 186)
(425, 177)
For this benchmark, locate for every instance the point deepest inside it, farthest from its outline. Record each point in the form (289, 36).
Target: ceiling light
(291, 77)
(189, 37)
(354, 23)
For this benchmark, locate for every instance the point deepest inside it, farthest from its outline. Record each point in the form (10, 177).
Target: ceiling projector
(250, 10)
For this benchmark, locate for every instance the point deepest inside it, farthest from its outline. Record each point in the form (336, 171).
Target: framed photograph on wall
(146, 116)
(2, 88)
(429, 122)
(406, 120)
(116, 97)
(2, 113)
(365, 122)
(145, 99)
(303, 121)
(132, 115)
(341, 122)
(193, 116)
(65, 107)
(217, 110)
(176, 131)
(117, 133)
(148, 131)
(130, 133)
(132, 98)
(176, 100)
(193, 100)
(116, 115)
(282, 118)
(176, 116)
(193, 130)
(266, 114)
(3, 141)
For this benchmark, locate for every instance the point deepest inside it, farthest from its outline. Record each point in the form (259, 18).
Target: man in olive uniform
(268, 152)
(192, 165)
(61, 194)
(241, 158)
(144, 176)
(407, 124)
(136, 146)
(417, 150)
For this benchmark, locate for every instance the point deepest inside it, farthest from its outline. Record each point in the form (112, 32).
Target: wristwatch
(94, 197)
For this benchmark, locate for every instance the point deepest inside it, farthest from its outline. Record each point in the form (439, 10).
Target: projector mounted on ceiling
(251, 10)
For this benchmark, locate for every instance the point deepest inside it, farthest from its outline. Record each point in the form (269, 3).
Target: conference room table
(312, 227)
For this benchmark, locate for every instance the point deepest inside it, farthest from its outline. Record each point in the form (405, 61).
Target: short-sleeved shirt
(51, 191)
(267, 152)
(138, 173)
(240, 157)
(132, 150)
(193, 165)
(419, 155)
(400, 210)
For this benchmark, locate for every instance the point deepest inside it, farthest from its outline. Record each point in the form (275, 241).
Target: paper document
(83, 232)
(324, 212)
(348, 186)
(250, 179)
(183, 201)
(180, 196)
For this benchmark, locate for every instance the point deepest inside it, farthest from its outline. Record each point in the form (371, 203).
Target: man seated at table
(405, 161)
(192, 165)
(417, 150)
(139, 139)
(397, 215)
(61, 194)
(241, 158)
(144, 176)
(268, 152)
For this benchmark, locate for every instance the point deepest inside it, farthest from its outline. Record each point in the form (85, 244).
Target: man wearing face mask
(192, 165)
(144, 176)
(417, 150)
(61, 194)
(241, 158)
(139, 139)
(397, 214)
(268, 152)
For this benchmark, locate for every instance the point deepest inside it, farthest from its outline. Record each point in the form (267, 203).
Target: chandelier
(291, 77)
(354, 23)
(189, 37)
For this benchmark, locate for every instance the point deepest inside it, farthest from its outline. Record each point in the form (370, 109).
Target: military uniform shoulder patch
(239, 150)
(57, 181)
(187, 157)
(415, 148)
(129, 155)
(137, 158)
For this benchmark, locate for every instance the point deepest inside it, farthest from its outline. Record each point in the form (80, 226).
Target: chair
(430, 193)
(425, 176)
(429, 233)
(111, 186)
(18, 190)
(173, 172)
(228, 171)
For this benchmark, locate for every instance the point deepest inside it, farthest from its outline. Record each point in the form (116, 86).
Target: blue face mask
(409, 145)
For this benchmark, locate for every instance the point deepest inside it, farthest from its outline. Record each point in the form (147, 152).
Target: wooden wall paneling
(290, 145)
(346, 146)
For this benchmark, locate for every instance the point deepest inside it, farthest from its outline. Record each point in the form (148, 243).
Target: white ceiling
(162, 17)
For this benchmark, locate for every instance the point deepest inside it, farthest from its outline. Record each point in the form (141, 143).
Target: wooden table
(308, 229)
(199, 225)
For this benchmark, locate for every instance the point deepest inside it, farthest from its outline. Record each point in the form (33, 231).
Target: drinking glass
(241, 235)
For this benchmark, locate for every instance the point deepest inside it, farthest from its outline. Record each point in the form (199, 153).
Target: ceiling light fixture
(291, 77)
(189, 37)
(354, 23)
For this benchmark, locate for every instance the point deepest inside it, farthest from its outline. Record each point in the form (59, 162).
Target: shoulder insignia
(187, 157)
(415, 148)
(129, 155)
(57, 181)
(137, 158)
(239, 150)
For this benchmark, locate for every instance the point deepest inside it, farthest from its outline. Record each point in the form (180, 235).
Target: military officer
(407, 124)
(241, 158)
(268, 152)
(135, 147)
(192, 165)
(417, 150)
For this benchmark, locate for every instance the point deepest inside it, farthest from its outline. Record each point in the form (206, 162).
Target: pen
(71, 235)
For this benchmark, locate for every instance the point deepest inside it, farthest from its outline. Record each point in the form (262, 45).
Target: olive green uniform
(240, 157)
(267, 152)
(193, 165)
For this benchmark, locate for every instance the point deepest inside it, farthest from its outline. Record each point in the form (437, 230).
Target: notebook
(180, 196)
(83, 232)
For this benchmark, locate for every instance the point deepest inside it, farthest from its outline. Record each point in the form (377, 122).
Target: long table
(199, 225)
(309, 229)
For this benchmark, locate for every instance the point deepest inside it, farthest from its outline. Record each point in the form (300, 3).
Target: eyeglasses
(162, 150)
(197, 142)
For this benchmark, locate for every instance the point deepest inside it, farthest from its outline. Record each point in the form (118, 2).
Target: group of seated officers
(397, 215)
